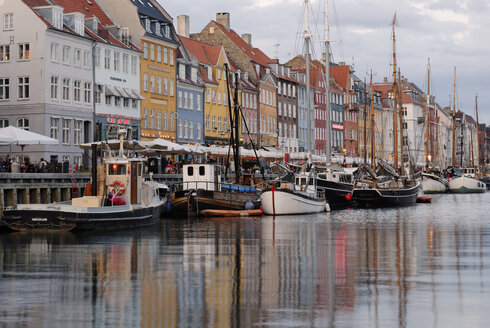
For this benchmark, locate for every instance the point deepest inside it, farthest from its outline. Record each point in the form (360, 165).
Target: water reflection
(426, 265)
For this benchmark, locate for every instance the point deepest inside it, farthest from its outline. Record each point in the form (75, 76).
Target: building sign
(120, 121)
(117, 79)
(338, 127)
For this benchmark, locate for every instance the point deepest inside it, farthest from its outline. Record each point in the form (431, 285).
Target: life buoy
(120, 188)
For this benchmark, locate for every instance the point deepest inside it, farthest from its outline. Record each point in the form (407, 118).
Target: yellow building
(268, 112)
(150, 28)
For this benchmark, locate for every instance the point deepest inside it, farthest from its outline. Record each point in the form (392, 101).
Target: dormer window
(147, 25)
(210, 73)
(124, 35)
(167, 31)
(157, 28)
(182, 71)
(57, 18)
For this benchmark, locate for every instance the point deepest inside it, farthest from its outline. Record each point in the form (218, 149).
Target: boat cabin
(201, 176)
(306, 182)
(124, 177)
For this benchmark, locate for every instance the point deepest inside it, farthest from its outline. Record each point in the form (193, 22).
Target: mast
(472, 147)
(365, 122)
(236, 143)
(395, 102)
(328, 133)
(373, 143)
(427, 121)
(400, 115)
(477, 133)
(453, 159)
(307, 37)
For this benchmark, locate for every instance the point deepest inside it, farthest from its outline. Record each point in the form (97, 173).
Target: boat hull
(433, 186)
(466, 185)
(286, 201)
(231, 213)
(336, 193)
(385, 197)
(48, 217)
(222, 200)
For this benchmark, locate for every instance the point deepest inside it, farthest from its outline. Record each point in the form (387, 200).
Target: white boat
(298, 198)
(433, 184)
(466, 185)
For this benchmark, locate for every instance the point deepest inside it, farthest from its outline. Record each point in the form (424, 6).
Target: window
(186, 100)
(165, 120)
(66, 132)
(219, 98)
(213, 96)
(145, 82)
(165, 55)
(152, 51)
(159, 85)
(134, 65)
(152, 118)
(152, 83)
(145, 118)
(66, 89)
(23, 87)
(97, 57)
(108, 100)
(66, 54)
(191, 101)
(107, 59)
(98, 93)
(186, 129)
(145, 50)
(77, 90)
(77, 57)
(159, 54)
(172, 121)
(8, 21)
(88, 92)
(199, 102)
(181, 128)
(54, 52)
(165, 86)
(198, 133)
(77, 132)
(86, 59)
(23, 123)
(117, 101)
(117, 61)
(126, 102)
(125, 63)
(4, 123)
(159, 119)
(214, 122)
(4, 88)
(207, 122)
(191, 130)
(157, 28)
(171, 87)
(172, 57)
(4, 53)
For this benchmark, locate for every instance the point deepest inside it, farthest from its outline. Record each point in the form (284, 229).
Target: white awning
(137, 94)
(121, 92)
(110, 91)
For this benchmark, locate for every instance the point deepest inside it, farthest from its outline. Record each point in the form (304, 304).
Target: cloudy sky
(450, 32)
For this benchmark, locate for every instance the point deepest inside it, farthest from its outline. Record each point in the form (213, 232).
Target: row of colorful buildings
(83, 70)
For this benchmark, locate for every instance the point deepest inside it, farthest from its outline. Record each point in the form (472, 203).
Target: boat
(301, 197)
(431, 182)
(232, 213)
(337, 185)
(202, 186)
(379, 184)
(121, 198)
(459, 182)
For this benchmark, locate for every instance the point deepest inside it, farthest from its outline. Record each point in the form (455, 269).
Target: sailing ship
(458, 181)
(432, 183)
(382, 185)
(202, 187)
(122, 198)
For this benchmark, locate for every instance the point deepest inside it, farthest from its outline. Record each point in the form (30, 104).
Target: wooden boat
(301, 197)
(337, 186)
(466, 185)
(433, 184)
(140, 202)
(231, 213)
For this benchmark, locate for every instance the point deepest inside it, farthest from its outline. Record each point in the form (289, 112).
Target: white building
(45, 79)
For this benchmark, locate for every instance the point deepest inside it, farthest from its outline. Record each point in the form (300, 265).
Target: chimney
(183, 23)
(247, 37)
(223, 19)
(385, 80)
(342, 63)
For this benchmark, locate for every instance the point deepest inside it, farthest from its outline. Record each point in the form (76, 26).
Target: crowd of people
(10, 165)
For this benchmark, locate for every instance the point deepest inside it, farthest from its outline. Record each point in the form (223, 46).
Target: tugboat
(122, 199)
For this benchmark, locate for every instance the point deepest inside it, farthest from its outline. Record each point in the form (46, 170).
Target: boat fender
(249, 205)
(121, 188)
(327, 207)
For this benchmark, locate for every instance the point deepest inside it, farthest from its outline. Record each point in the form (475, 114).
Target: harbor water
(426, 265)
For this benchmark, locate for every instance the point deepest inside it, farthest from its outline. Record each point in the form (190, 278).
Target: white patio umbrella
(4, 140)
(171, 147)
(23, 137)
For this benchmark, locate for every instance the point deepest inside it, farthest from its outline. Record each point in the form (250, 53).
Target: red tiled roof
(88, 9)
(254, 54)
(341, 75)
(198, 49)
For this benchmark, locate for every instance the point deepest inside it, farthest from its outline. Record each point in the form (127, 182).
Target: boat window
(202, 170)
(140, 170)
(303, 181)
(190, 171)
(117, 169)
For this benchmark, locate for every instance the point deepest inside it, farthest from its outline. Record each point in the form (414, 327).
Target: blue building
(190, 99)
(303, 114)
